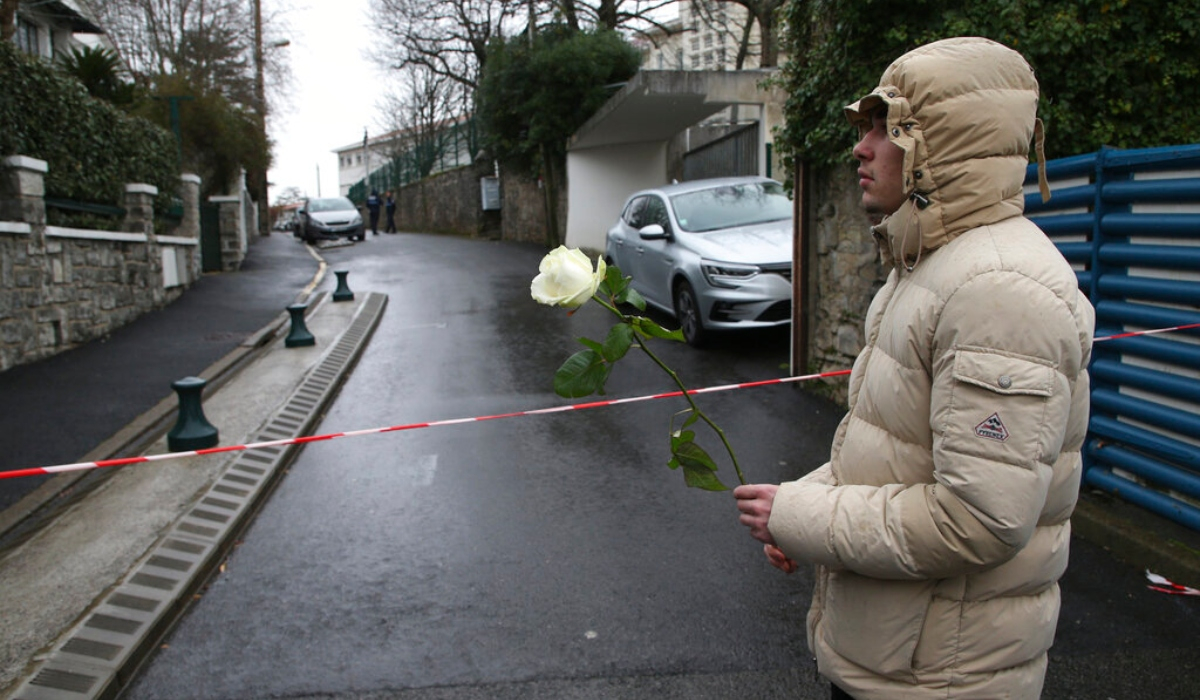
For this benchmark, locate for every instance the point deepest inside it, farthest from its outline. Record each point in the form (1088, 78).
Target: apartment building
(705, 36)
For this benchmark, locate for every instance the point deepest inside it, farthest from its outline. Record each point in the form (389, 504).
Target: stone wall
(448, 202)
(237, 221)
(60, 287)
(845, 273)
(523, 217)
(452, 202)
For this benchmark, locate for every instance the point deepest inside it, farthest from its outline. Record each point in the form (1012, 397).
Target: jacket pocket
(875, 624)
(1000, 417)
(1003, 373)
(998, 407)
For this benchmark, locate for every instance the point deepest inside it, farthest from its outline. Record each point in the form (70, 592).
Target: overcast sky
(333, 95)
(334, 92)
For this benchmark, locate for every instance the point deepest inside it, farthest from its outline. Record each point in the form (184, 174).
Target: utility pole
(260, 106)
(260, 109)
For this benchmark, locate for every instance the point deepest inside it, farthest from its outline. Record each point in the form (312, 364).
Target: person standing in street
(373, 211)
(939, 527)
(390, 206)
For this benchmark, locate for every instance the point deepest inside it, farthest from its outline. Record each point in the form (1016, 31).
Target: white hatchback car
(716, 254)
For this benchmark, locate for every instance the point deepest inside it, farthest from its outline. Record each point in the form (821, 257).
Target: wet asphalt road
(555, 556)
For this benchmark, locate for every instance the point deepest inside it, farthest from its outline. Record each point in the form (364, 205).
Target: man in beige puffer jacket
(939, 528)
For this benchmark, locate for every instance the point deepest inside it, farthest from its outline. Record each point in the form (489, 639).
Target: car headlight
(720, 274)
(356, 220)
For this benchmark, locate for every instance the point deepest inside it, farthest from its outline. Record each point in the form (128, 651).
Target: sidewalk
(73, 402)
(92, 583)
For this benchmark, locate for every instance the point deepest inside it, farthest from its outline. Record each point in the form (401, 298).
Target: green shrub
(1121, 73)
(532, 99)
(219, 138)
(91, 147)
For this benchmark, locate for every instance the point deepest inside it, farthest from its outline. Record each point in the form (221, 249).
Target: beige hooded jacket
(940, 525)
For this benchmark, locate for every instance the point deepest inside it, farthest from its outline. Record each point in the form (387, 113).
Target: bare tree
(422, 115)
(209, 41)
(632, 16)
(449, 38)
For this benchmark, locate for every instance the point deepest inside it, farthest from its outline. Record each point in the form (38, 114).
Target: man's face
(881, 163)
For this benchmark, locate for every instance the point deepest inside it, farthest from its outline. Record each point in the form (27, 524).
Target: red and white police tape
(1163, 585)
(35, 471)
(395, 428)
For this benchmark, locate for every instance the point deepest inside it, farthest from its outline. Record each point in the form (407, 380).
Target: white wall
(599, 180)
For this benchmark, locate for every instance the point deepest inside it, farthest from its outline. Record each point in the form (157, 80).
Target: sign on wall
(490, 191)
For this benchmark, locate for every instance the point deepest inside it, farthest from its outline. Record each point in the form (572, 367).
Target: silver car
(329, 217)
(716, 254)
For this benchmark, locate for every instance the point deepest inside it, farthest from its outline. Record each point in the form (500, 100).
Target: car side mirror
(652, 232)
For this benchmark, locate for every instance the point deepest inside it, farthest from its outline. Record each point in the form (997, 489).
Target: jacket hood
(964, 111)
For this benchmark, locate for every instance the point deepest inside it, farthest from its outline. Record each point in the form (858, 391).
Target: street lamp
(260, 107)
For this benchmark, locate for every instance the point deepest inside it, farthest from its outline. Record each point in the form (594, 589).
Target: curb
(101, 653)
(22, 519)
(1138, 537)
(27, 515)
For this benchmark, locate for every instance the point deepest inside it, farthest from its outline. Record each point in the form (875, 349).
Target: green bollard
(299, 335)
(192, 431)
(343, 292)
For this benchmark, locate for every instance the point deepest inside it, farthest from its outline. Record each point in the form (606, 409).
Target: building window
(27, 37)
(695, 43)
(358, 159)
(679, 58)
(708, 41)
(708, 59)
(695, 62)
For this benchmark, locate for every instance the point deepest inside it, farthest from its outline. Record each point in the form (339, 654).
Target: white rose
(566, 278)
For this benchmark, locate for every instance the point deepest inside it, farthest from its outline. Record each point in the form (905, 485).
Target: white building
(357, 160)
(49, 28)
(704, 40)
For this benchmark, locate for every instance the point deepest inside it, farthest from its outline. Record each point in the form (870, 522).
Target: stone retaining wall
(452, 202)
(60, 287)
(845, 274)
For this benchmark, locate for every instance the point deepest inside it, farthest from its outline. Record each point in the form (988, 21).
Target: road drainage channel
(101, 654)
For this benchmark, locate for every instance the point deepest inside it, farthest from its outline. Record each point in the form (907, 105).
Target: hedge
(92, 148)
(1121, 73)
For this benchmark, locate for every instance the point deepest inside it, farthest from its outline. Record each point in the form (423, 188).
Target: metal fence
(735, 153)
(1129, 223)
(450, 147)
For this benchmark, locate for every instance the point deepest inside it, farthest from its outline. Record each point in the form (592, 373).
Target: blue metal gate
(1129, 223)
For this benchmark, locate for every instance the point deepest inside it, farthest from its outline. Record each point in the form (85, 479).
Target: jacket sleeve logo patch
(992, 428)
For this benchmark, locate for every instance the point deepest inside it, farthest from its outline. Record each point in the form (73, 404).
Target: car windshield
(329, 204)
(730, 206)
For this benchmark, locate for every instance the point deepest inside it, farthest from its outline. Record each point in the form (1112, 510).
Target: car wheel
(687, 310)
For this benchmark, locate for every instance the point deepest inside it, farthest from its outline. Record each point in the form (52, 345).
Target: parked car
(716, 254)
(328, 217)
